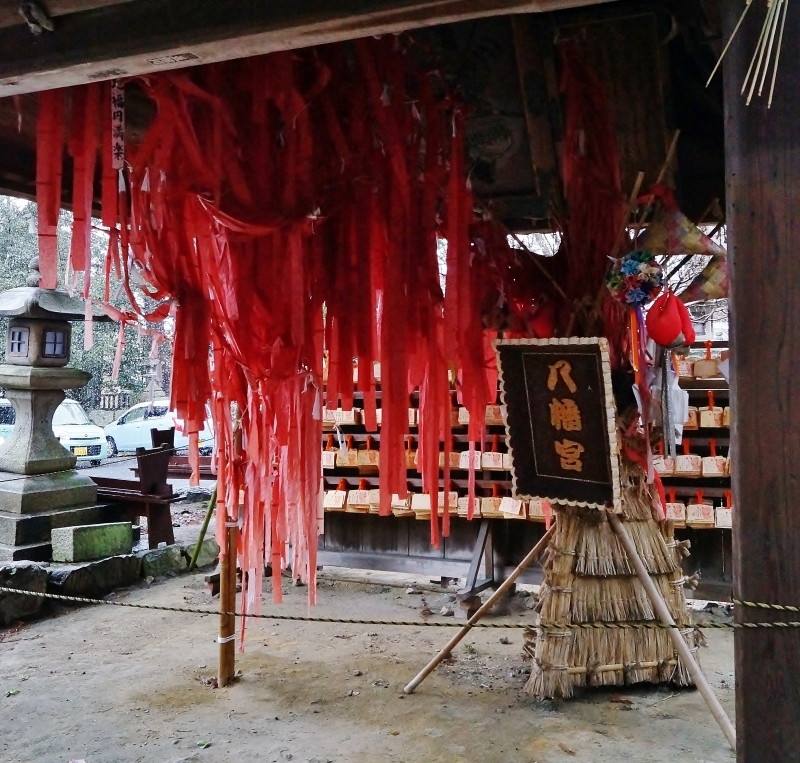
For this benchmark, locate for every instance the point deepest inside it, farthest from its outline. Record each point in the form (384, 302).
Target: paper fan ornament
(672, 233)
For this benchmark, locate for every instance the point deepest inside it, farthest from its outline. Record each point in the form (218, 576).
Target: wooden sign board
(560, 426)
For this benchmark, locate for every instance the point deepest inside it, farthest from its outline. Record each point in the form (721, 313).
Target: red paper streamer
(49, 158)
(290, 205)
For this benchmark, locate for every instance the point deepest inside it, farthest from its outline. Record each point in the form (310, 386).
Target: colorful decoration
(672, 233)
(711, 283)
(635, 279)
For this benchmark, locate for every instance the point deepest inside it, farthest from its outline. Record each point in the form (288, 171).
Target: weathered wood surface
(763, 199)
(139, 37)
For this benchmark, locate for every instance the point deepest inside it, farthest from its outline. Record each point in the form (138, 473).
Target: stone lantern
(39, 486)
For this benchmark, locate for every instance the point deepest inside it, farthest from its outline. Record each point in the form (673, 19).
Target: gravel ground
(113, 685)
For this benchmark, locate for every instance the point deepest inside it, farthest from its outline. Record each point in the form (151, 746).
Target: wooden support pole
(762, 163)
(227, 574)
(227, 603)
(491, 601)
(681, 647)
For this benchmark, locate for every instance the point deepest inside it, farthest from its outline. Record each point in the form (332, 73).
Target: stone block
(94, 579)
(163, 562)
(34, 552)
(19, 529)
(44, 492)
(27, 576)
(209, 552)
(85, 543)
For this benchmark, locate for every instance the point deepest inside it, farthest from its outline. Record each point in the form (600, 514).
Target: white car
(71, 426)
(132, 429)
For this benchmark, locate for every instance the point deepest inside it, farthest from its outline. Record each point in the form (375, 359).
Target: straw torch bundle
(590, 579)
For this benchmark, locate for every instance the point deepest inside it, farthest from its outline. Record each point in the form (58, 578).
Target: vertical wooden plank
(528, 43)
(763, 198)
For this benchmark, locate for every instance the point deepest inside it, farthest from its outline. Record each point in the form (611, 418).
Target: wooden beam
(9, 15)
(143, 36)
(762, 150)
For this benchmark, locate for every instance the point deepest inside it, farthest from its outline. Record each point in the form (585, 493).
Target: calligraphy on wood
(561, 428)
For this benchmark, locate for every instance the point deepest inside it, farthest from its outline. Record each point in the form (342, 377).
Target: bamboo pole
(492, 600)
(681, 647)
(212, 504)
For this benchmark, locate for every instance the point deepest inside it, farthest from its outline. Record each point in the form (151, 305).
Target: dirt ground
(107, 685)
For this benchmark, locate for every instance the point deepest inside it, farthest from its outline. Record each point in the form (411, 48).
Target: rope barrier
(761, 605)
(650, 625)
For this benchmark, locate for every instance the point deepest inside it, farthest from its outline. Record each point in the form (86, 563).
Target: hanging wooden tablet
(329, 454)
(401, 506)
(463, 460)
(336, 500)
(699, 512)
(708, 367)
(723, 515)
(421, 505)
(358, 500)
(714, 465)
(512, 508)
(490, 505)
(663, 465)
(347, 458)
(688, 464)
(676, 510)
(368, 459)
(711, 415)
(493, 459)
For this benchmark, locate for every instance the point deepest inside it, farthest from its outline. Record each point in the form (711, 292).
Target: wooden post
(227, 574)
(227, 603)
(762, 148)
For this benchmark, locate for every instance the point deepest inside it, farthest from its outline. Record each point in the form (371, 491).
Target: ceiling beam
(144, 36)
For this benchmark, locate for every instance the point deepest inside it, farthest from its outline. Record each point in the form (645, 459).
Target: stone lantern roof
(46, 304)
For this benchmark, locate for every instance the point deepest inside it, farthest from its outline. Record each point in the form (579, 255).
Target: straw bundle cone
(590, 579)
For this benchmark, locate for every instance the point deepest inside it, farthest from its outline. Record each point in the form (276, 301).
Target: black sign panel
(560, 422)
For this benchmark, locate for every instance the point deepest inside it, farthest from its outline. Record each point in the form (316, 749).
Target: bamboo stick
(212, 504)
(493, 599)
(660, 179)
(681, 647)
(730, 40)
(778, 54)
(637, 186)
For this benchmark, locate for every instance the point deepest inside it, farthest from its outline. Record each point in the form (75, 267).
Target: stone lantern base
(39, 486)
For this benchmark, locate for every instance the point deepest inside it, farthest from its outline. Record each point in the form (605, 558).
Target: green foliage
(18, 245)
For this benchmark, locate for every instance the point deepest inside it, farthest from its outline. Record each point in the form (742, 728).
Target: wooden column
(763, 202)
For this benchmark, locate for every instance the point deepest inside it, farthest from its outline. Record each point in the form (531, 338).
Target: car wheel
(112, 447)
(95, 463)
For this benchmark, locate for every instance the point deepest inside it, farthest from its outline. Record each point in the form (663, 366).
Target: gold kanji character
(565, 414)
(564, 369)
(570, 452)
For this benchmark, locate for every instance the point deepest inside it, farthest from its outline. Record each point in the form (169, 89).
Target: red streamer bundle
(290, 205)
(49, 159)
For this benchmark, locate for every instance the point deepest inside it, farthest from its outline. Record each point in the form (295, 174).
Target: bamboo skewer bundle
(589, 578)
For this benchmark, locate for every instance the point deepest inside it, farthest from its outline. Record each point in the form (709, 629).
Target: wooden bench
(148, 495)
